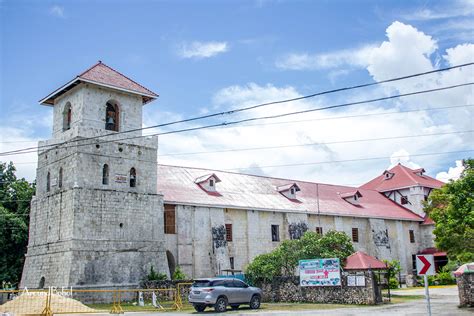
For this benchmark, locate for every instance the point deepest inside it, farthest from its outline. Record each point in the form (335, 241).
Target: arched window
(112, 116)
(105, 174)
(41, 283)
(60, 181)
(67, 117)
(133, 178)
(48, 182)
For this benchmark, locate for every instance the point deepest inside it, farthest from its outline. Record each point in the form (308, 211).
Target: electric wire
(228, 112)
(16, 152)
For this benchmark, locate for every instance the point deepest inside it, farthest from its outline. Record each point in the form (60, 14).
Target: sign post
(425, 266)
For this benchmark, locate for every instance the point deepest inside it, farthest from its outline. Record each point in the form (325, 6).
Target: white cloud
(57, 11)
(319, 131)
(15, 138)
(343, 58)
(200, 50)
(453, 173)
(402, 157)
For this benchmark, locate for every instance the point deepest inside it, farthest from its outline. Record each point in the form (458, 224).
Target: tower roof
(103, 75)
(401, 177)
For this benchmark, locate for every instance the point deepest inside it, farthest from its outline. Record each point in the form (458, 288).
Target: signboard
(320, 272)
(355, 280)
(121, 178)
(425, 265)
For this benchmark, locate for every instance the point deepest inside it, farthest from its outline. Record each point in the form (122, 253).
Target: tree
(15, 198)
(284, 259)
(452, 209)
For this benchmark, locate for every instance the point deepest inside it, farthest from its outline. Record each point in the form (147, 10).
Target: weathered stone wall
(198, 256)
(287, 289)
(465, 284)
(99, 237)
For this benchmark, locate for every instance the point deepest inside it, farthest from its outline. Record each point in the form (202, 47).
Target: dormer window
(352, 197)
(388, 175)
(289, 190)
(208, 182)
(419, 172)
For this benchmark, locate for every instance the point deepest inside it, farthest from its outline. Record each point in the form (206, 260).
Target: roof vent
(289, 190)
(352, 197)
(208, 182)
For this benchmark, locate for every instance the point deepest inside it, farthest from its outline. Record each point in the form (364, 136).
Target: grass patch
(395, 299)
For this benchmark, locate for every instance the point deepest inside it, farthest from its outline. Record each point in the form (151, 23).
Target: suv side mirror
(246, 285)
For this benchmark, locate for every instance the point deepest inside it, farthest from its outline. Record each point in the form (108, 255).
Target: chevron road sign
(425, 265)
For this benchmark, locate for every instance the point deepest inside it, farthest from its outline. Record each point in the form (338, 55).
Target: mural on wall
(218, 236)
(381, 238)
(296, 230)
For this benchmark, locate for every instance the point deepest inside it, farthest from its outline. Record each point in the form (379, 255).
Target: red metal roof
(260, 193)
(103, 75)
(433, 251)
(361, 261)
(403, 177)
(427, 220)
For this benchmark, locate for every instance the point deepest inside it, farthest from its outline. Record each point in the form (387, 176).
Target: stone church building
(105, 211)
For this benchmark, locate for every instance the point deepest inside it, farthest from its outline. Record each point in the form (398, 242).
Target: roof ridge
(409, 174)
(101, 63)
(266, 177)
(89, 69)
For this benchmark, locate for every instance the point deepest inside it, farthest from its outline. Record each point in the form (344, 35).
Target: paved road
(444, 301)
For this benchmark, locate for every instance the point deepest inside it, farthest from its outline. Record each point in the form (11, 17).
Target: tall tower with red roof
(96, 218)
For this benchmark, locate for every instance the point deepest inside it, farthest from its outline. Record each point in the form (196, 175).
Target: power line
(349, 160)
(280, 146)
(320, 162)
(16, 152)
(354, 116)
(266, 104)
(313, 144)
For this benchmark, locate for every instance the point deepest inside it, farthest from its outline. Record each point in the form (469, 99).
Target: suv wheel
(221, 305)
(199, 307)
(255, 302)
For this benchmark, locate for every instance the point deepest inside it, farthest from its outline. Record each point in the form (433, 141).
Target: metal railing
(47, 302)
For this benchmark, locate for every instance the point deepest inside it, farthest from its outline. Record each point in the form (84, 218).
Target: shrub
(445, 278)
(178, 274)
(154, 276)
(393, 283)
(284, 259)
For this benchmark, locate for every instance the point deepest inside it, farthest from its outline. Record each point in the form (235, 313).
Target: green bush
(178, 274)
(284, 259)
(444, 278)
(154, 276)
(393, 283)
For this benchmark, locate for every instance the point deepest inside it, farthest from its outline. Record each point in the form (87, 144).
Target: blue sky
(207, 56)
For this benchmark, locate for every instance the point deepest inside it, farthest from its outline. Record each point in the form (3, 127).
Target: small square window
(404, 200)
(211, 182)
(275, 233)
(319, 230)
(355, 234)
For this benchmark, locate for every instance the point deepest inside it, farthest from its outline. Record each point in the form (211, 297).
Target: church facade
(104, 212)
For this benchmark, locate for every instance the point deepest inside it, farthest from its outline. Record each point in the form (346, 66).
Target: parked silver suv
(221, 292)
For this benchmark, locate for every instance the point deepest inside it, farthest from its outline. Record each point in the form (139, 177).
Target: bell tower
(96, 219)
